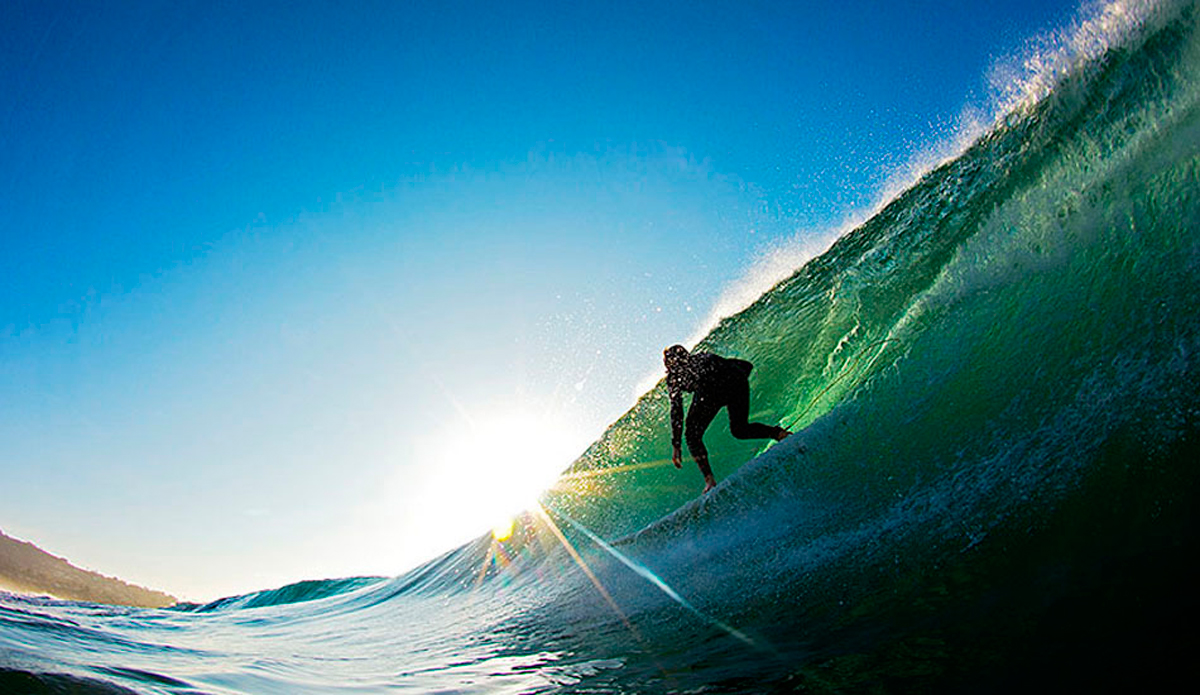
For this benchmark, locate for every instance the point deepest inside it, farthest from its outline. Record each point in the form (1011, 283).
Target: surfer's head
(674, 356)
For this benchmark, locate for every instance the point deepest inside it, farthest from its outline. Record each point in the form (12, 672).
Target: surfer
(715, 382)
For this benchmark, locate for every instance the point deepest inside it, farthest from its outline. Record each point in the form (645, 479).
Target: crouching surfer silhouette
(715, 382)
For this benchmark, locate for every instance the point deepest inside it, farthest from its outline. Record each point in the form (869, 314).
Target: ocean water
(993, 485)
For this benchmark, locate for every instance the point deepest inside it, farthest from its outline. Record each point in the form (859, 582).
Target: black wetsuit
(716, 382)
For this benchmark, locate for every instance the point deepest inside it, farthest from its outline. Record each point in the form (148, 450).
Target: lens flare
(503, 530)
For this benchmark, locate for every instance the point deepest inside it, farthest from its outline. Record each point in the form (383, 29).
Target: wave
(299, 592)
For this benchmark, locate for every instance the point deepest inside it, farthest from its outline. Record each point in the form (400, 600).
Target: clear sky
(284, 287)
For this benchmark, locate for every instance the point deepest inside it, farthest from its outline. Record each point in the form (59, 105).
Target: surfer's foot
(709, 484)
(782, 435)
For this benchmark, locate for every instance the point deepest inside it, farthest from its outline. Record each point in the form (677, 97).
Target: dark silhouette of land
(27, 569)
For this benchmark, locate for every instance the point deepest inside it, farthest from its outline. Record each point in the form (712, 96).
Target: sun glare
(483, 475)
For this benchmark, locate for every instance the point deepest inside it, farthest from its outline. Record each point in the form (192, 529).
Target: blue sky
(271, 272)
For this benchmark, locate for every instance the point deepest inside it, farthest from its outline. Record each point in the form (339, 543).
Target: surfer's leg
(700, 415)
(738, 404)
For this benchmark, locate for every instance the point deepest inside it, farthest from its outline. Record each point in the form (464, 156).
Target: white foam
(1019, 83)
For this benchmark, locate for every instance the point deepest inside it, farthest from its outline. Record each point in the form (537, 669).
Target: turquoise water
(993, 383)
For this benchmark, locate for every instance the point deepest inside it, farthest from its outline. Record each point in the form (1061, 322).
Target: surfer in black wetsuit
(715, 382)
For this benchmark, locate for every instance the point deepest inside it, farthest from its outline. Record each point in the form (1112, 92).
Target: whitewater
(992, 485)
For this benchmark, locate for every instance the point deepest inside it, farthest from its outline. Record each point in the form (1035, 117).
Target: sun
(482, 475)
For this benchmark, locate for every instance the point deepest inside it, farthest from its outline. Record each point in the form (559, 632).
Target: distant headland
(27, 569)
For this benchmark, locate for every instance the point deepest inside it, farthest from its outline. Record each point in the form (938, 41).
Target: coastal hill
(27, 569)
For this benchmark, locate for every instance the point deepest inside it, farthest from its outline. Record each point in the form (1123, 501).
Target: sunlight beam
(655, 580)
(592, 473)
(541, 514)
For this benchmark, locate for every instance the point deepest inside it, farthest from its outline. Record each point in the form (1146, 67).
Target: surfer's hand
(677, 458)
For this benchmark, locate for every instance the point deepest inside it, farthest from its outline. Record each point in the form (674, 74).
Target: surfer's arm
(676, 396)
